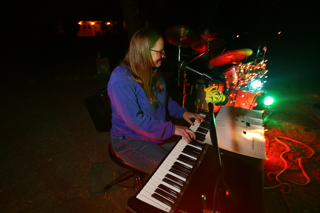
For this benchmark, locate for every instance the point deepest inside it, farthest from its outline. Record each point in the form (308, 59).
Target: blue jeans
(142, 155)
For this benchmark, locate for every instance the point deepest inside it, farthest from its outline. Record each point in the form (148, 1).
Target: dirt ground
(49, 145)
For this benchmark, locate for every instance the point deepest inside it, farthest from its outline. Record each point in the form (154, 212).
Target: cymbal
(211, 43)
(180, 35)
(231, 57)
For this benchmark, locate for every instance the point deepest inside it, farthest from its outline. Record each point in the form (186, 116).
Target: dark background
(33, 47)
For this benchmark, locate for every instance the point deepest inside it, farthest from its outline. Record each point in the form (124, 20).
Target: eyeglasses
(161, 52)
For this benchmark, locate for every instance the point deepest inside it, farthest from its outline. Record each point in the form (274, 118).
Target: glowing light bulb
(256, 84)
(268, 101)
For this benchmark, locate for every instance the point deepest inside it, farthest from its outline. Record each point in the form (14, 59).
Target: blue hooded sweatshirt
(133, 116)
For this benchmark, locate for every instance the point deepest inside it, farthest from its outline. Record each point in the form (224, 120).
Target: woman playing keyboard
(140, 133)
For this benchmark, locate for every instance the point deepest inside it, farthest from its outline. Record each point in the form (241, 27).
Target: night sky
(262, 16)
(257, 23)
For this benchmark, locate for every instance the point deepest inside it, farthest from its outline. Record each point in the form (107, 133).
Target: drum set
(243, 81)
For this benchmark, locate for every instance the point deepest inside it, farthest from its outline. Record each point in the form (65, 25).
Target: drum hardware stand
(258, 51)
(184, 87)
(184, 95)
(185, 74)
(264, 53)
(184, 82)
(207, 51)
(197, 104)
(179, 53)
(180, 36)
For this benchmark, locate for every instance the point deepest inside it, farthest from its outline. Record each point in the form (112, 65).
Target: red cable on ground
(286, 164)
(299, 160)
(282, 190)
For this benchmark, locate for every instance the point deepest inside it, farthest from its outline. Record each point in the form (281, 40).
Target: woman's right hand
(185, 132)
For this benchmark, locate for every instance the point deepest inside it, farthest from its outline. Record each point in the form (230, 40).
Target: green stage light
(268, 101)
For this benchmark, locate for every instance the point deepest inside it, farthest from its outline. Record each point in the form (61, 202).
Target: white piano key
(175, 159)
(156, 180)
(172, 163)
(176, 176)
(146, 194)
(159, 179)
(180, 152)
(195, 147)
(202, 133)
(165, 170)
(155, 185)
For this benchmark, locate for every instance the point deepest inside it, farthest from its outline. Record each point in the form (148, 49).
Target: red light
(227, 193)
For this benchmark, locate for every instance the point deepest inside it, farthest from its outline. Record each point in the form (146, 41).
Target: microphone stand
(218, 169)
(219, 192)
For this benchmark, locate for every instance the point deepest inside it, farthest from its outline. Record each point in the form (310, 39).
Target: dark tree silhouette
(130, 9)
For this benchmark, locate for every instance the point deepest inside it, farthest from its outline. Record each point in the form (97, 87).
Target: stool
(131, 172)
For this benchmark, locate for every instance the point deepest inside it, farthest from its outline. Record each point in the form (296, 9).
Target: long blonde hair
(139, 60)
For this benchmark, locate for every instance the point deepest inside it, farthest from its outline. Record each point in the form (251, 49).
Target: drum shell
(243, 99)
(231, 77)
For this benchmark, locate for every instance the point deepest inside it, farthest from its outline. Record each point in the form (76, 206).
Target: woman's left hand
(189, 115)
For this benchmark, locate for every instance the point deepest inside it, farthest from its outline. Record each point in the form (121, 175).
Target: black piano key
(186, 160)
(182, 165)
(207, 118)
(175, 179)
(205, 128)
(192, 149)
(168, 190)
(200, 129)
(179, 173)
(200, 141)
(200, 136)
(197, 144)
(189, 158)
(190, 153)
(162, 199)
(181, 169)
(165, 194)
(170, 182)
(205, 125)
